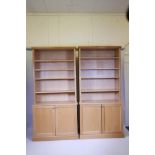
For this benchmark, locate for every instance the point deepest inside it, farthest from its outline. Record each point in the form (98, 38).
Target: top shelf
(60, 60)
(48, 48)
(98, 58)
(99, 47)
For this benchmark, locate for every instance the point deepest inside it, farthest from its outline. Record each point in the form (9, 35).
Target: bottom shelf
(56, 103)
(100, 102)
(100, 97)
(55, 98)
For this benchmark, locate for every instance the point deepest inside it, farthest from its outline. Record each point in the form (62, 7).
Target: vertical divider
(79, 57)
(34, 82)
(75, 75)
(77, 88)
(120, 84)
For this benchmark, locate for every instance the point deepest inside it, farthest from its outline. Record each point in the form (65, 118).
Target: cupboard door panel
(44, 120)
(66, 120)
(90, 118)
(113, 118)
(103, 118)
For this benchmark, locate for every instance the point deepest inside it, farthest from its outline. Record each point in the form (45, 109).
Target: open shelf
(99, 90)
(54, 97)
(99, 51)
(101, 96)
(100, 102)
(55, 66)
(54, 54)
(57, 103)
(54, 75)
(56, 92)
(99, 75)
(105, 74)
(38, 79)
(99, 68)
(54, 85)
(99, 84)
(47, 61)
(39, 70)
(85, 78)
(100, 63)
(98, 58)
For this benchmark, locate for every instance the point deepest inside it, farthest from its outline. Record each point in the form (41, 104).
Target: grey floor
(111, 146)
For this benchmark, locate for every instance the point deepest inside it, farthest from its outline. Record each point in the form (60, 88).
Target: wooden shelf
(99, 75)
(53, 48)
(53, 60)
(39, 79)
(56, 92)
(92, 48)
(99, 90)
(85, 78)
(54, 74)
(100, 102)
(99, 68)
(56, 103)
(54, 70)
(98, 58)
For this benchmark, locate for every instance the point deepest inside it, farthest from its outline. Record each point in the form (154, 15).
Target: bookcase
(100, 91)
(56, 114)
(55, 95)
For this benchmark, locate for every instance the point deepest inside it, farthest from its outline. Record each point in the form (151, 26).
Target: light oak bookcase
(56, 114)
(100, 92)
(55, 95)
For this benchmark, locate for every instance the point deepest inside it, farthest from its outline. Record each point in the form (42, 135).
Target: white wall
(75, 29)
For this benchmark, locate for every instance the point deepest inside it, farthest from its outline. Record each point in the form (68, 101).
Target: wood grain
(90, 119)
(66, 120)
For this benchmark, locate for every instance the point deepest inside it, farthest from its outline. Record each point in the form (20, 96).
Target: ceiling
(76, 6)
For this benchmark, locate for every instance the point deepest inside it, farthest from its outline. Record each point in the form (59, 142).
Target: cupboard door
(90, 119)
(66, 120)
(44, 120)
(112, 118)
(103, 118)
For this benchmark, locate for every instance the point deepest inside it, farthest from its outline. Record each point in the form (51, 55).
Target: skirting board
(54, 138)
(119, 135)
(112, 135)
